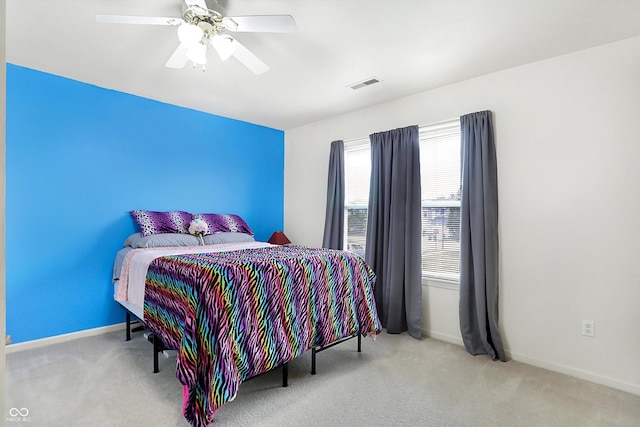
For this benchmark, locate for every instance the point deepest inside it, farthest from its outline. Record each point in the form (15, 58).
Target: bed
(236, 309)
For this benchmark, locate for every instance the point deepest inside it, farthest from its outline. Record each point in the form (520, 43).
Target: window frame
(353, 145)
(440, 130)
(441, 280)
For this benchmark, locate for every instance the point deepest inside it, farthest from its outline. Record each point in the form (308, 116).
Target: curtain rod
(348, 141)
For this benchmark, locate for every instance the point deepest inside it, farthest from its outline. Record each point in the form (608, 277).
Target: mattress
(131, 265)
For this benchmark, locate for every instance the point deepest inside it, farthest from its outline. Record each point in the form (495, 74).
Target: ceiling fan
(200, 26)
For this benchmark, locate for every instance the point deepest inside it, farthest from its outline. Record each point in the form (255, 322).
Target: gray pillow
(161, 240)
(227, 237)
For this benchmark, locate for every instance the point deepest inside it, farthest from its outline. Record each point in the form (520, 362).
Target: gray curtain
(479, 238)
(334, 217)
(394, 229)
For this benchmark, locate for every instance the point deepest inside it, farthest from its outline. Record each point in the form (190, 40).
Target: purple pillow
(224, 222)
(151, 222)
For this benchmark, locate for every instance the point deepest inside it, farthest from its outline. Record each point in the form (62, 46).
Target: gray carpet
(395, 381)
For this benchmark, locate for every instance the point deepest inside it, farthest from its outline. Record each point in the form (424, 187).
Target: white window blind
(357, 167)
(440, 182)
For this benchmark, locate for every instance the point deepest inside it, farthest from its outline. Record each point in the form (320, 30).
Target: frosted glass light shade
(197, 54)
(190, 34)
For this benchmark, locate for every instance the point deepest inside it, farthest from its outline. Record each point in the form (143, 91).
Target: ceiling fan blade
(248, 59)
(224, 45)
(200, 3)
(261, 23)
(145, 20)
(179, 57)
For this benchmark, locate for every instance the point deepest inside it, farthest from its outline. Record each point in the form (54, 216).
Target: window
(440, 175)
(357, 171)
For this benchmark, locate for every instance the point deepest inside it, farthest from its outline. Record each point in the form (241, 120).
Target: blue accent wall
(80, 157)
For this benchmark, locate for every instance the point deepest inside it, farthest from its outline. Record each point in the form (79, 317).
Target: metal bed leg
(128, 325)
(156, 350)
(285, 375)
(315, 350)
(313, 361)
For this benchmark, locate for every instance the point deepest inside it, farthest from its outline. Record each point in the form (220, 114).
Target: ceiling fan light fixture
(189, 34)
(200, 26)
(224, 45)
(197, 54)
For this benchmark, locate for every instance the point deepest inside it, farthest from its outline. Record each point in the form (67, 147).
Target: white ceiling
(410, 45)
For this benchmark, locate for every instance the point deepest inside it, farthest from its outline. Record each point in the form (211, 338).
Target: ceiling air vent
(368, 82)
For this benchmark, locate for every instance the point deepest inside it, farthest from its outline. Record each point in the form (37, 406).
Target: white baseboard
(27, 345)
(577, 373)
(443, 337)
(550, 366)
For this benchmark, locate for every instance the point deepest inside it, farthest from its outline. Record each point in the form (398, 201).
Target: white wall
(568, 146)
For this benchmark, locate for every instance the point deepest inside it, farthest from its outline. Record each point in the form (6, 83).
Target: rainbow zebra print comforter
(234, 315)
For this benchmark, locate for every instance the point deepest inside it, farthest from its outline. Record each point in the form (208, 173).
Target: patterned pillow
(224, 222)
(151, 222)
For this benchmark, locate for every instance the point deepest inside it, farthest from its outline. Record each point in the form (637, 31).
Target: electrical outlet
(589, 328)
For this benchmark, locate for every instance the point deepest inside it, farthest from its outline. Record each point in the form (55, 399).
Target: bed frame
(134, 324)
(211, 371)
(316, 350)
